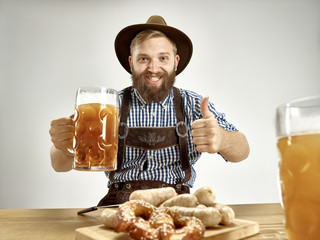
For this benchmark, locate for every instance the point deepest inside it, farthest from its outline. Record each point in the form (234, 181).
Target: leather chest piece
(153, 138)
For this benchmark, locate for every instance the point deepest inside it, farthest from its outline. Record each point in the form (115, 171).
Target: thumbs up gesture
(206, 132)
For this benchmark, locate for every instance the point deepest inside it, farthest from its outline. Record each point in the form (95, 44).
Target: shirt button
(153, 114)
(149, 157)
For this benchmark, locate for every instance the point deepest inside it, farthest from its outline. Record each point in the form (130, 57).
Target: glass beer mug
(298, 133)
(95, 143)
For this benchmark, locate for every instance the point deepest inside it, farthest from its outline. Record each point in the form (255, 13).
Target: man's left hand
(207, 135)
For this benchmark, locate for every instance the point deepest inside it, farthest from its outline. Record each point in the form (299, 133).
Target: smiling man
(163, 130)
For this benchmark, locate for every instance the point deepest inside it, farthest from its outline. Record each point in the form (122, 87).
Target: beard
(153, 93)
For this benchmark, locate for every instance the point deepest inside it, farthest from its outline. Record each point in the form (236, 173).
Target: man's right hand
(62, 132)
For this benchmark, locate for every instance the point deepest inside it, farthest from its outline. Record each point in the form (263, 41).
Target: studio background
(249, 57)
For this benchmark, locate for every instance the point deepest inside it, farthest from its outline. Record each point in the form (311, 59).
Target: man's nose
(153, 66)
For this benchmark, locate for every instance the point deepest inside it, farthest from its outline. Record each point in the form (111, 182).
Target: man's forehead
(161, 45)
(141, 54)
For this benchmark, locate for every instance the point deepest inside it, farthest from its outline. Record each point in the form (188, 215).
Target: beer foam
(299, 126)
(301, 116)
(305, 125)
(104, 96)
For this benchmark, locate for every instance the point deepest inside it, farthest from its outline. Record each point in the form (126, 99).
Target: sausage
(109, 217)
(182, 200)
(205, 195)
(155, 196)
(226, 212)
(209, 216)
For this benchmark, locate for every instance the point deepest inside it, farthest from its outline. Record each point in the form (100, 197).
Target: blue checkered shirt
(164, 164)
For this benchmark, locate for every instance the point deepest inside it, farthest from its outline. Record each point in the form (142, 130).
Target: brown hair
(148, 34)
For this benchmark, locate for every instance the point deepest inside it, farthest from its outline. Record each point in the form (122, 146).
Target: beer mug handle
(72, 150)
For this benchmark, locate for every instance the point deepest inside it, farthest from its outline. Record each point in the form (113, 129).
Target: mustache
(147, 74)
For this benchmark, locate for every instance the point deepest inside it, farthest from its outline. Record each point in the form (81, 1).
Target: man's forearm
(236, 147)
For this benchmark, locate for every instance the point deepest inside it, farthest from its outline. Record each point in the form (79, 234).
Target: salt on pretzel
(142, 220)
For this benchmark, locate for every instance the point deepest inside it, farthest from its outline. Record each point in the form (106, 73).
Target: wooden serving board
(239, 229)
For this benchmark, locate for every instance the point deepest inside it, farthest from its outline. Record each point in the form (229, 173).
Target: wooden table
(41, 224)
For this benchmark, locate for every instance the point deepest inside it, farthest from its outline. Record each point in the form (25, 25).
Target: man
(174, 125)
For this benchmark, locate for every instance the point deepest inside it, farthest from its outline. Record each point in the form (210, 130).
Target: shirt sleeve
(193, 105)
(221, 118)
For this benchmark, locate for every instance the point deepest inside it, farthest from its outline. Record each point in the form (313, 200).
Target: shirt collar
(143, 103)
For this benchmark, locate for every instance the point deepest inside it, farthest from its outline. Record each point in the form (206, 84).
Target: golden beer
(300, 185)
(96, 137)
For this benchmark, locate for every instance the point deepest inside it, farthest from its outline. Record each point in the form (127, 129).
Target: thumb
(204, 108)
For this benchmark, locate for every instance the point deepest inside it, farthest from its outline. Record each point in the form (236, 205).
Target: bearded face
(150, 92)
(153, 64)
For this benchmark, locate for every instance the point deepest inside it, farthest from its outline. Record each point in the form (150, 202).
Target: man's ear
(130, 62)
(177, 59)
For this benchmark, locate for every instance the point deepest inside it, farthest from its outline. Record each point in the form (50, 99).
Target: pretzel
(144, 221)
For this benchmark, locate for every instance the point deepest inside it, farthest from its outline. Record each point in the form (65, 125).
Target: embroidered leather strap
(152, 138)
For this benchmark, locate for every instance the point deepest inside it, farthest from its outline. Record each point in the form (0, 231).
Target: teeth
(154, 79)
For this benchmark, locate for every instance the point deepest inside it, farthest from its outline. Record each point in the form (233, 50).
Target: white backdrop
(249, 57)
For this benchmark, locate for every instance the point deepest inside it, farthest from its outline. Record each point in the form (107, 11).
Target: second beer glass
(298, 132)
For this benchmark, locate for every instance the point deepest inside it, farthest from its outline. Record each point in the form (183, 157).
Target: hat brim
(125, 36)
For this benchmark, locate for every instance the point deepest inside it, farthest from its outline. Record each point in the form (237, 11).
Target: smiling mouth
(153, 79)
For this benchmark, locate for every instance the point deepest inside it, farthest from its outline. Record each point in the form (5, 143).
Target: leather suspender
(153, 137)
(123, 130)
(181, 129)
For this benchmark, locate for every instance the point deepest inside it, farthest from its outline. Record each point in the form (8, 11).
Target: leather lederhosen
(149, 138)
